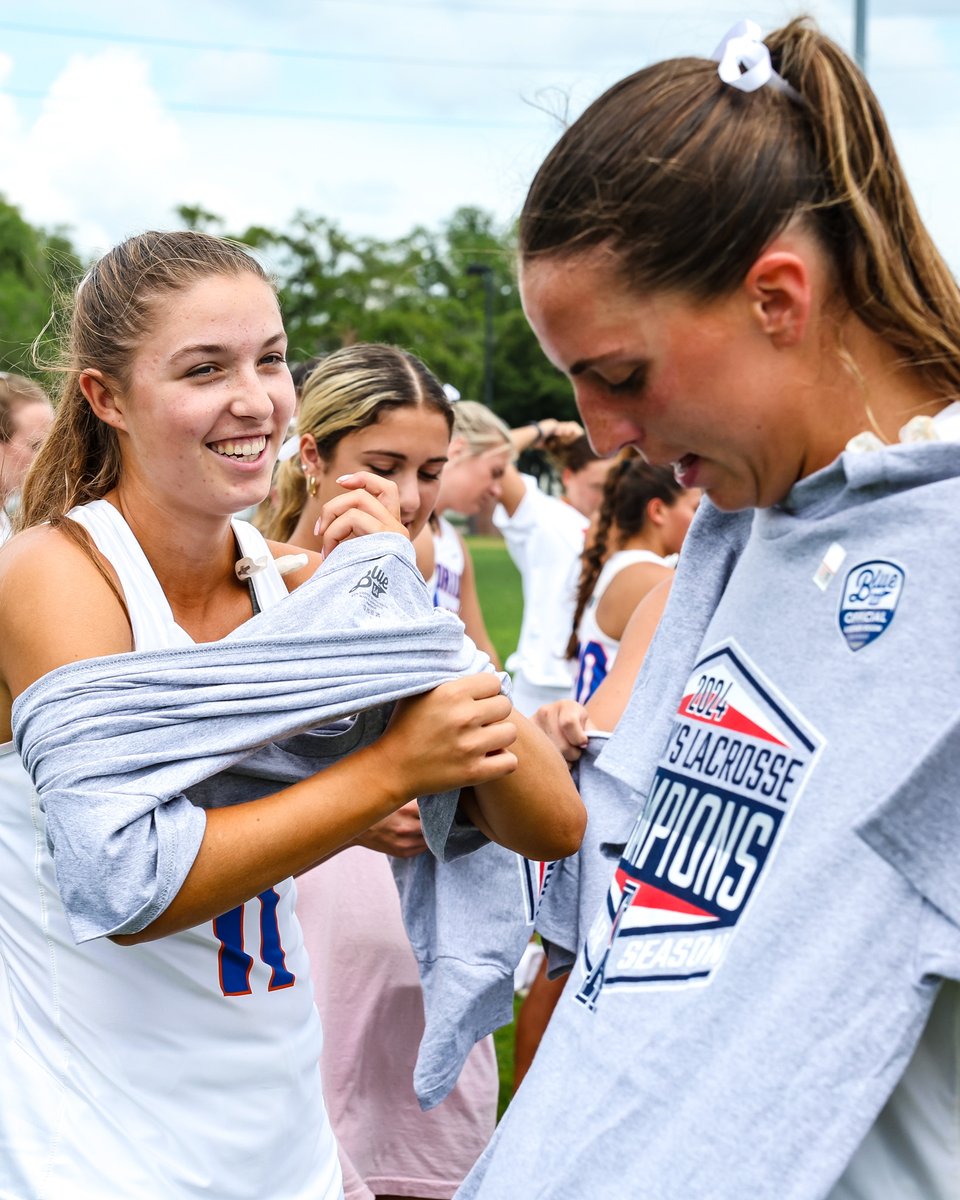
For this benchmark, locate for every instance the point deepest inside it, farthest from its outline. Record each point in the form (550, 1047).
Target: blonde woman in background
(544, 535)
(480, 452)
(379, 409)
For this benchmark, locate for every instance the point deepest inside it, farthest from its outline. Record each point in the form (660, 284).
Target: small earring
(312, 485)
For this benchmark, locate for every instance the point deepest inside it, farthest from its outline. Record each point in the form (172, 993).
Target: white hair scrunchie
(745, 61)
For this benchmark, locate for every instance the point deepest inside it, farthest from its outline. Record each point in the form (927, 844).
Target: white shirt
(544, 538)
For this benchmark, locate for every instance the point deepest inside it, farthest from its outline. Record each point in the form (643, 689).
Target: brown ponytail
(686, 179)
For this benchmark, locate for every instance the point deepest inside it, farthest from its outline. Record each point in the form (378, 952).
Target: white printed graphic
(734, 766)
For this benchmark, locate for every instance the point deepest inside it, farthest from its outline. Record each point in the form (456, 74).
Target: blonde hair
(481, 429)
(349, 390)
(114, 306)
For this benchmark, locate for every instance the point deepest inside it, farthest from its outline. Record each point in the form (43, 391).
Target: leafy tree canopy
(37, 266)
(417, 292)
(447, 294)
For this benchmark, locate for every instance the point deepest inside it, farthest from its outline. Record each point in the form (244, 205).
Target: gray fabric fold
(127, 751)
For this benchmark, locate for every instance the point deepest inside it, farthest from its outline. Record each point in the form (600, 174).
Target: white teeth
(237, 449)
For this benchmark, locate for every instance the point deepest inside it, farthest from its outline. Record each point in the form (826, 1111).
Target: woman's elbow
(561, 826)
(567, 832)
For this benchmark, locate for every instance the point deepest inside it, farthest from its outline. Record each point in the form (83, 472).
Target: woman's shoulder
(56, 606)
(425, 549)
(633, 576)
(37, 550)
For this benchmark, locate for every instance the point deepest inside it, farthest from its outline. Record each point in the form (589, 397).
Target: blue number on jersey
(592, 671)
(235, 963)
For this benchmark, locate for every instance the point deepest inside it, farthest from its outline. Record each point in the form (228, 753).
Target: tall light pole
(485, 271)
(860, 34)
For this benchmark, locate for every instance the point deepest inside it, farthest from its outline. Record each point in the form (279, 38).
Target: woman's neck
(303, 532)
(647, 538)
(192, 555)
(871, 389)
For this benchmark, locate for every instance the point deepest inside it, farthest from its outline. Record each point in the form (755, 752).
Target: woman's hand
(565, 722)
(369, 504)
(455, 736)
(400, 834)
(560, 432)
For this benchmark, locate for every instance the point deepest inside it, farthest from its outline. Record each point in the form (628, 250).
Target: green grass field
(498, 585)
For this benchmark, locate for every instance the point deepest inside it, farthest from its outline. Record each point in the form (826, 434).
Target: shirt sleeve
(916, 829)
(526, 522)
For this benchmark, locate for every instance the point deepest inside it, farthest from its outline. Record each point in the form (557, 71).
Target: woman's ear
(458, 448)
(655, 511)
(780, 291)
(102, 398)
(310, 458)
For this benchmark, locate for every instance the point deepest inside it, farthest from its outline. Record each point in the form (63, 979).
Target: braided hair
(630, 486)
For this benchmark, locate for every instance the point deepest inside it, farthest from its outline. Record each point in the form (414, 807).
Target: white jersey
(597, 649)
(446, 583)
(544, 538)
(184, 1067)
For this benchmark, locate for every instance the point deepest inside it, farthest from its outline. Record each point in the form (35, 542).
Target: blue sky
(381, 114)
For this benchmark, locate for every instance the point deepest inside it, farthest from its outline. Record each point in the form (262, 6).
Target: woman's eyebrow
(439, 458)
(213, 348)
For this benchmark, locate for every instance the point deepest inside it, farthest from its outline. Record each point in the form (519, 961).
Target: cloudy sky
(381, 114)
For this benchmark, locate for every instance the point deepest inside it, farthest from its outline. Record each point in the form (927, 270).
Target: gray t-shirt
(127, 752)
(776, 931)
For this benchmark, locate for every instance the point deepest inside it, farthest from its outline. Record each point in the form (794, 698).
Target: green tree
(36, 267)
(416, 292)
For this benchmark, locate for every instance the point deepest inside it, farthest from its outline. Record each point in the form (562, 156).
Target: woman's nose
(609, 424)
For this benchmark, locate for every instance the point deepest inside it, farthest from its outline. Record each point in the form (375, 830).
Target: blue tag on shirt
(871, 593)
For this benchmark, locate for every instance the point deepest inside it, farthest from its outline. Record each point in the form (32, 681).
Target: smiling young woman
(157, 1025)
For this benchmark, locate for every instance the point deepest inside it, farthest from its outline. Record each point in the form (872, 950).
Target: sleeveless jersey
(447, 578)
(182, 1067)
(597, 649)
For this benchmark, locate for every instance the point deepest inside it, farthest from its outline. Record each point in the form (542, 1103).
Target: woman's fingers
(372, 505)
(385, 490)
(563, 432)
(399, 835)
(565, 724)
(356, 522)
(456, 735)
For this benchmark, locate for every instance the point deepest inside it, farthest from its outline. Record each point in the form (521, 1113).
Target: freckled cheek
(284, 404)
(609, 422)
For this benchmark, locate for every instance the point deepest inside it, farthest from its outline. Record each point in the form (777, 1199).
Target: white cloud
(219, 78)
(108, 155)
(103, 156)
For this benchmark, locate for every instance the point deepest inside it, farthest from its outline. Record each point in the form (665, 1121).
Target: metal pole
(486, 272)
(860, 34)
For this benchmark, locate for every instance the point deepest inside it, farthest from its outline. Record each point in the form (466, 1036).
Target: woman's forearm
(535, 810)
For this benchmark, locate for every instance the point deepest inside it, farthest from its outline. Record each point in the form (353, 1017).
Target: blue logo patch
(868, 603)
